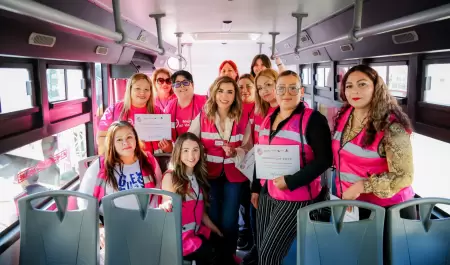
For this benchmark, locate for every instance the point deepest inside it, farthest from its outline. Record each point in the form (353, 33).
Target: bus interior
(62, 63)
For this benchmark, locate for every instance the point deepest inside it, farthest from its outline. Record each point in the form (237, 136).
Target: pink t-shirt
(113, 112)
(163, 104)
(182, 117)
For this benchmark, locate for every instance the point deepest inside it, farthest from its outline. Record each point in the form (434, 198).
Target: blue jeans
(224, 210)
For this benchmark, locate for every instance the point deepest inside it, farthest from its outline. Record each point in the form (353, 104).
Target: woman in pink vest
(187, 177)
(187, 105)
(124, 166)
(226, 136)
(162, 88)
(371, 144)
(280, 199)
(138, 100)
(229, 68)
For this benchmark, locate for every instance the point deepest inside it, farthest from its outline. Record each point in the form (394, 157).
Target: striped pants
(276, 227)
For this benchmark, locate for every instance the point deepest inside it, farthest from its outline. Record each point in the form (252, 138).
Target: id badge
(219, 143)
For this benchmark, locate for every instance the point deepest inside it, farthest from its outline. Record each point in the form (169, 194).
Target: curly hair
(382, 106)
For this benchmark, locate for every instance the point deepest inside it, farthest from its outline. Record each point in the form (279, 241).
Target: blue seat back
(145, 235)
(338, 242)
(419, 242)
(61, 236)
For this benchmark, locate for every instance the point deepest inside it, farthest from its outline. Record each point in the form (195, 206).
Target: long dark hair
(382, 106)
(179, 178)
(112, 158)
(265, 61)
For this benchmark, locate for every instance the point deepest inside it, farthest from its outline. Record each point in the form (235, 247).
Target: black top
(318, 136)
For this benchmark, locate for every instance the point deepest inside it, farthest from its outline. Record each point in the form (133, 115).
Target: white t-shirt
(129, 178)
(194, 184)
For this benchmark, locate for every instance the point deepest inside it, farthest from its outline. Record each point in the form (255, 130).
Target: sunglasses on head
(162, 80)
(184, 83)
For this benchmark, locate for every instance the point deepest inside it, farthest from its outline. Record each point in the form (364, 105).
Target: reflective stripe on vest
(289, 135)
(218, 159)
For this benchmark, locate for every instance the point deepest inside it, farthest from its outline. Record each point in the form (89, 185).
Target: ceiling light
(226, 25)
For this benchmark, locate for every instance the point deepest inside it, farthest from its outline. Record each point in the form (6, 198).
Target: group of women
(369, 147)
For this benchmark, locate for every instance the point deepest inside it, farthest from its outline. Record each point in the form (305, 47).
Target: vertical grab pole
(180, 59)
(260, 47)
(357, 19)
(274, 36)
(299, 17)
(157, 18)
(118, 20)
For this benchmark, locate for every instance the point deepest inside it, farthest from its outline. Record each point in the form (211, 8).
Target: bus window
(307, 100)
(61, 89)
(398, 80)
(438, 83)
(46, 164)
(306, 75)
(15, 91)
(323, 79)
(329, 112)
(431, 178)
(382, 71)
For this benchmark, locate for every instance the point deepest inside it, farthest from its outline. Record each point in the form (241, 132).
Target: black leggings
(205, 255)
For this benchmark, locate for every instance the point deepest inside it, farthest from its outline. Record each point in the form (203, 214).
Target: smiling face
(225, 96)
(289, 92)
(163, 84)
(124, 142)
(259, 66)
(266, 88)
(190, 153)
(140, 93)
(227, 70)
(359, 90)
(183, 88)
(247, 90)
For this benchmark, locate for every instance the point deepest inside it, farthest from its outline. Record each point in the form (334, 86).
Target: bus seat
(147, 235)
(417, 242)
(58, 237)
(338, 242)
(84, 164)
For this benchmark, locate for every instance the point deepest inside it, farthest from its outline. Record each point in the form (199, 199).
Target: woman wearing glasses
(280, 198)
(138, 99)
(162, 86)
(187, 104)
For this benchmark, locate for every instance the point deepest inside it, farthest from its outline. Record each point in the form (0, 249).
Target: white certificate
(273, 161)
(352, 212)
(153, 127)
(247, 166)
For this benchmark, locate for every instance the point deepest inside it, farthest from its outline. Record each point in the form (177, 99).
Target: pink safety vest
(192, 211)
(354, 162)
(292, 133)
(114, 115)
(182, 117)
(216, 159)
(258, 120)
(100, 185)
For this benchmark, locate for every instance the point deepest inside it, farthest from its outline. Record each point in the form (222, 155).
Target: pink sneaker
(237, 259)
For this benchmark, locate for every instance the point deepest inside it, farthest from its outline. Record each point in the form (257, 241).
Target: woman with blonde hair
(138, 100)
(226, 136)
(162, 88)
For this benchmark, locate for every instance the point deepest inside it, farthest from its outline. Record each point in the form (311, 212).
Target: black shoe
(242, 243)
(251, 258)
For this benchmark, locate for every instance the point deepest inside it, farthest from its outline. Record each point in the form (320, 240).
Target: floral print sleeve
(398, 151)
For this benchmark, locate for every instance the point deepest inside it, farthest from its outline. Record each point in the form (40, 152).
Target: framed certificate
(273, 161)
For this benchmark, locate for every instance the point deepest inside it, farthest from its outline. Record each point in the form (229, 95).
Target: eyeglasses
(182, 83)
(162, 80)
(293, 90)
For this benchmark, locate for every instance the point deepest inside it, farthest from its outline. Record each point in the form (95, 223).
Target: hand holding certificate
(247, 166)
(273, 161)
(153, 127)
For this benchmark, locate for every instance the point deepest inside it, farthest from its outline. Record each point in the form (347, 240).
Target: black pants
(407, 213)
(244, 212)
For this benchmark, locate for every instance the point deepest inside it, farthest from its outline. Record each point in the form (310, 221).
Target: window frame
(67, 66)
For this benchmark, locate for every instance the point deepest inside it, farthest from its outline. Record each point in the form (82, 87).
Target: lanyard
(221, 135)
(192, 115)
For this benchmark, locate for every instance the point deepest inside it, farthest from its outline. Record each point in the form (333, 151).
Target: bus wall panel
(57, 114)
(17, 125)
(376, 12)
